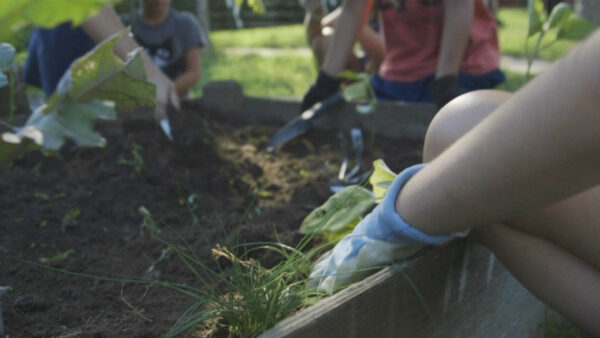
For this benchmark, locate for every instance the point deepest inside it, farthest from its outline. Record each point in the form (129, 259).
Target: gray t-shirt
(167, 42)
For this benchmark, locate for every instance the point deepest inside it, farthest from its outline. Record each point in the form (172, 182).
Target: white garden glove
(381, 238)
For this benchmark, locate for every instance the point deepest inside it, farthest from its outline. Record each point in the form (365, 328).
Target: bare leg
(539, 147)
(560, 279)
(551, 251)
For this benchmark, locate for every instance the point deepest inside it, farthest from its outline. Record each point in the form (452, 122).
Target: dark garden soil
(85, 202)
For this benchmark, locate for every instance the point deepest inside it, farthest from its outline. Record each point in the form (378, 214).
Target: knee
(458, 117)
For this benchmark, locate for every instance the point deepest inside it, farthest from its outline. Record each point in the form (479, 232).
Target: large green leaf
(7, 53)
(17, 14)
(87, 92)
(537, 16)
(339, 212)
(71, 120)
(100, 74)
(574, 28)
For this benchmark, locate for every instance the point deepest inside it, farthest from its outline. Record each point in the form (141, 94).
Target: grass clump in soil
(243, 298)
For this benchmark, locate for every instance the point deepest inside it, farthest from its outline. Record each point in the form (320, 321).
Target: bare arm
(346, 32)
(371, 42)
(193, 68)
(541, 146)
(105, 24)
(373, 45)
(458, 16)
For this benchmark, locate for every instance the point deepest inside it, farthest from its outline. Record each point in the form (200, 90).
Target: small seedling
(37, 169)
(191, 206)
(136, 161)
(70, 219)
(150, 271)
(562, 19)
(149, 221)
(57, 258)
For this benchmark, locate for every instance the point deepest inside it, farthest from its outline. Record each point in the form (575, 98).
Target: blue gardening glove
(445, 89)
(381, 238)
(324, 87)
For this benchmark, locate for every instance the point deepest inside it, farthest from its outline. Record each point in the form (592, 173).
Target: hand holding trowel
(359, 91)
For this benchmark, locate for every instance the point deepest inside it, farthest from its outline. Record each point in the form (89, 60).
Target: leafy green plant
(243, 296)
(88, 91)
(342, 211)
(247, 298)
(562, 19)
(359, 91)
(18, 14)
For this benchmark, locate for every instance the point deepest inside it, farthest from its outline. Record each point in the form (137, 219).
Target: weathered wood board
(392, 119)
(459, 290)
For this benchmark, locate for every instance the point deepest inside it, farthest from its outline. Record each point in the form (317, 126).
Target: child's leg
(551, 251)
(559, 278)
(572, 224)
(539, 147)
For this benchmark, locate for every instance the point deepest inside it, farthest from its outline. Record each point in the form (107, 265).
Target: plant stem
(533, 56)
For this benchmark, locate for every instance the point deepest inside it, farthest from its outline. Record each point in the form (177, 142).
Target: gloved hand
(445, 89)
(381, 238)
(324, 87)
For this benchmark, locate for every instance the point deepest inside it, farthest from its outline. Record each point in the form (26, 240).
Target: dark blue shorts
(420, 91)
(51, 52)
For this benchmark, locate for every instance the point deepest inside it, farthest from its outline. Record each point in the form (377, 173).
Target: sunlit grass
(291, 36)
(287, 75)
(290, 74)
(513, 82)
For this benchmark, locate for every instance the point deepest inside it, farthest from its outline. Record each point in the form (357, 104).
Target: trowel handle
(323, 107)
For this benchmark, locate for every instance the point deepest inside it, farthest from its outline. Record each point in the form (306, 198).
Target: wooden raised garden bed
(459, 290)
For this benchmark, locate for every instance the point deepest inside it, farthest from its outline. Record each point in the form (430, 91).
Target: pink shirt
(413, 33)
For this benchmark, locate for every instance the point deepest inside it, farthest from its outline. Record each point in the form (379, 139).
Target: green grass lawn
(513, 81)
(271, 37)
(287, 75)
(290, 74)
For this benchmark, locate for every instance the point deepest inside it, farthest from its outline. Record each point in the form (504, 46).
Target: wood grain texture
(459, 290)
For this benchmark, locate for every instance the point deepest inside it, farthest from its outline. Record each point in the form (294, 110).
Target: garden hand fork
(346, 178)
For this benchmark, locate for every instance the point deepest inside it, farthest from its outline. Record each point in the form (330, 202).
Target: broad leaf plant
(88, 91)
